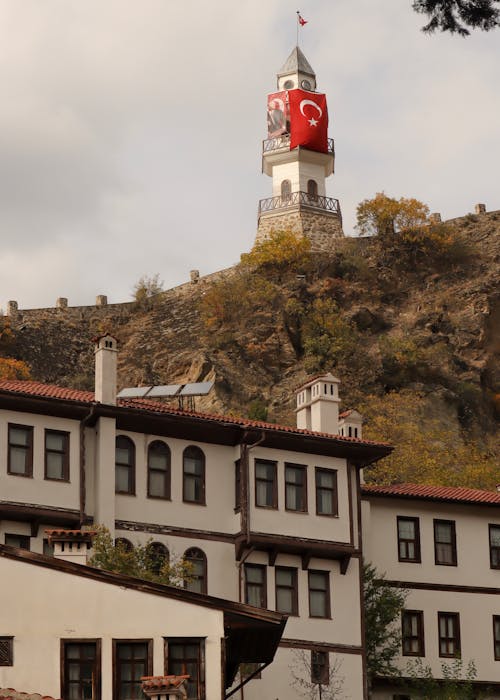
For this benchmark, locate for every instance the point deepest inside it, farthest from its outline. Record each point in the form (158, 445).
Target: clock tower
(299, 156)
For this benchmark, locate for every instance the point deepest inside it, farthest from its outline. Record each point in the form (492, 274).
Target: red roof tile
(49, 390)
(7, 693)
(434, 493)
(63, 534)
(162, 683)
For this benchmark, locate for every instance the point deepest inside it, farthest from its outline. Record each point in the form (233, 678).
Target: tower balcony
(300, 200)
(282, 143)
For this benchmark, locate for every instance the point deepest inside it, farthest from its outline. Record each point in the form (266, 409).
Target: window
(19, 541)
(312, 190)
(81, 669)
(193, 488)
(445, 543)
(132, 659)
(496, 637)
(125, 544)
(319, 594)
(6, 651)
(320, 667)
(286, 190)
(266, 487)
(255, 585)
(296, 487)
(412, 624)
(56, 455)
(287, 600)
(186, 656)
(326, 492)
(20, 450)
(495, 546)
(198, 574)
(408, 539)
(158, 470)
(157, 555)
(125, 465)
(449, 635)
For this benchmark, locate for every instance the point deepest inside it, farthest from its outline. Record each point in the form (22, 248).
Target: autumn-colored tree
(328, 336)
(280, 251)
(13, 369)
(386, 216)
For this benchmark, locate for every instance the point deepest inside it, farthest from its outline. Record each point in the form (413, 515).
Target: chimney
(71, 545)
(351, 424)
(318, 404)
(106, 352)
(165, 687)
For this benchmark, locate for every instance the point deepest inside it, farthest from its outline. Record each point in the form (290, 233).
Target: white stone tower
(299, 202)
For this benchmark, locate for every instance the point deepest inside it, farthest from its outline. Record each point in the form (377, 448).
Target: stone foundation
(320, 227)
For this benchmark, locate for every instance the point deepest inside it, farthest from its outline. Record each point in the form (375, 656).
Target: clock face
(306, 84)
(288, 84)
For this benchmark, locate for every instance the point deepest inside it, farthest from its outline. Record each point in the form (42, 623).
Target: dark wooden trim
(492, 526)
(174, 531)
(425, 586)
(288, 544)
(496, 640)
(98, 663)
(404, 681)
(149, 661)
(335, 492)
(202, 501)
(130, 466)
(237, 485)
(344, 564)
(200, 641)
(456, 634)
(305, 560)
(287, 643)
(361, 587)
(199, 555)
(32, 512)
(168, 472)
(419, 614)
(263, 589)
(350, 496)
(223, 667)
(9, 641)
(29, 449)
(24, 540)
(65, 452)
(273, 554)
(417, 559)
(274, 464)
(328, 609)
(294, 588)
(303, 487)
(453, 543)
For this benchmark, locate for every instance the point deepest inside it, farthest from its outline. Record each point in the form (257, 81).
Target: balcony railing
(295, 199)
(284, 142)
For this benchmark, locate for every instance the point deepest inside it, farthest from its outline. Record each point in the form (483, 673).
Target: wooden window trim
(98, 647)
(149, 661)
(334, 492)
(492, 548)
(167, 491)
(29, 450)
(237, 486)
(328, 610)
(496, 640)
(294, 588)
(456, 635)
(23, 538)
(202, 558)
(324, 678)
(263, 586)
(274, 464)
(420, 633)
(453, 542)
(9, 656)
(131, 466)
(65, 452)
(188, 640)
(302, 487)
(417, 559)
(202, 500)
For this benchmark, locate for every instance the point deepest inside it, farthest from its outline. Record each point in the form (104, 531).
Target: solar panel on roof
(134, 392)
(165, 390)
(196, 389)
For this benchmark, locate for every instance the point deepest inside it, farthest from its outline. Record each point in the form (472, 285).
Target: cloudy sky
(130, 130)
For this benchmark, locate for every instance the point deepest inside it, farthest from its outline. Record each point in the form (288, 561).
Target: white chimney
(71, 545)
(351, 424)
(106, 353)
(318, 404)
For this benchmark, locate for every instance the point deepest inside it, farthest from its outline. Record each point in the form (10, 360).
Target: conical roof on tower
(296, 63)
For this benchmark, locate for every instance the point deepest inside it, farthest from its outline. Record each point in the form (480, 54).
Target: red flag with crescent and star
(308, 120)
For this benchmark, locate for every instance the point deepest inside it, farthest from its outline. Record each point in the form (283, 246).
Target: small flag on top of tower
(300, 19)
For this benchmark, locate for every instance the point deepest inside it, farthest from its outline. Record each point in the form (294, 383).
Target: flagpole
(298, 13)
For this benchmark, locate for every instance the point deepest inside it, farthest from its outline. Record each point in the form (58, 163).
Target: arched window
(198, 574)
(193, 482)
(157, 555)
(124, 465)
(158, 470)
(286, 190)
(124, 544)
(312, 190)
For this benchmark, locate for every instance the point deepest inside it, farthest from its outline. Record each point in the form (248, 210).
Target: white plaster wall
(298, 172)
(49, 605)
(38, 490)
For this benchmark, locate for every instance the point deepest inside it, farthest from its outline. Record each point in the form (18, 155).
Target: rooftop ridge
(458, 494)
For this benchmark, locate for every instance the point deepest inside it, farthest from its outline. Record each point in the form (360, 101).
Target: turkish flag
(308, 120)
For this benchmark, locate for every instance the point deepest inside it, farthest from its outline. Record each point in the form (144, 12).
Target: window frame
(294, 588)
(64, 452)
(300, 488)
(420, 637)
(22, 538)
(167, 472)
(130, 466)
(323, 677)
(326, 591)
(417, 559)
(286, 190)
(204, 577)
(149, 660)
(200, 641)
(496, 639)
(273, 481)
(201, 478)
(452, 544)
(334, 492)
(493, 548)
(158, 555)
(9, 646)
(455, 617)
(237, 486)
(98, 664)
(28, 473)
(263, 585)
(312, 190)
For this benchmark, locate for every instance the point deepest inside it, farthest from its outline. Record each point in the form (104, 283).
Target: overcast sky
(130, 130)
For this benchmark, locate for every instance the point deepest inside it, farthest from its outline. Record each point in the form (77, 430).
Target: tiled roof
(6, 693)
(63, 534)
(55, 392)
(434, 493)
(162, 683)
(328, 376)
(344, 414)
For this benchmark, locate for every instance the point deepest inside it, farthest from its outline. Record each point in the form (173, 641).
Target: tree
(279, 252)
(13, 369)
(383, 605)
(141, 560)
(146, 288)
(312, 682)
(457, 16)
(386, 216)
(456, 682)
